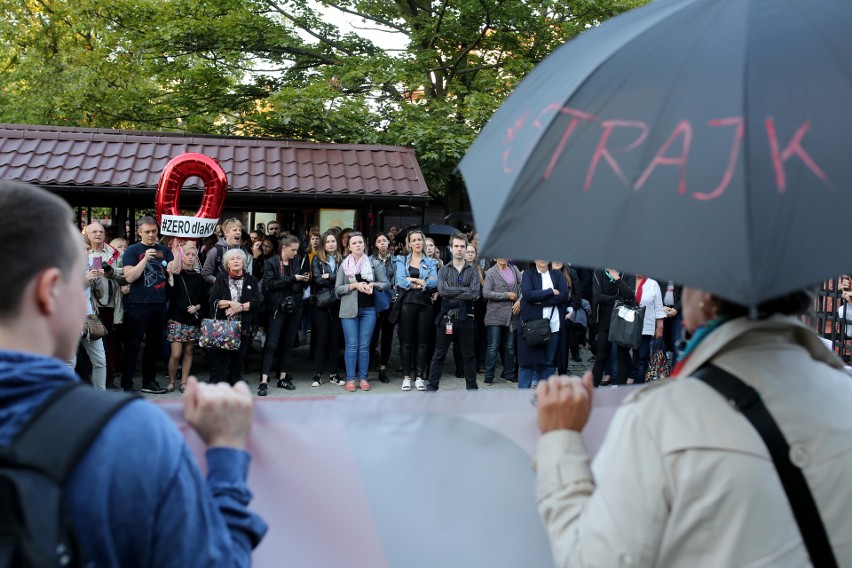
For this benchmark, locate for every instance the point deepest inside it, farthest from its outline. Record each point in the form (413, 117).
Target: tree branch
(372, 18)
(308, 29)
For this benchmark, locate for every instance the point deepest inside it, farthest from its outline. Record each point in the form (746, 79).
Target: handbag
(659, 366)
(536, 332)
(393, 316)
(94, 328)
(625, 325)
(220, 334)
(326, 297)
(382, 300)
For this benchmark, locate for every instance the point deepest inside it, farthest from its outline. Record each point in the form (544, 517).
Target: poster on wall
(343, 218)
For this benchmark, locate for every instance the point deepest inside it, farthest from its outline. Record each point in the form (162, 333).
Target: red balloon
(176, 173)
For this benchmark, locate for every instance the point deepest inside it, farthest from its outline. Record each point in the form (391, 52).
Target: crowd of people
(344, 289)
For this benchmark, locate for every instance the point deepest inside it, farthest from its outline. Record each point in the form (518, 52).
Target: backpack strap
(64, 427)
(747, 400)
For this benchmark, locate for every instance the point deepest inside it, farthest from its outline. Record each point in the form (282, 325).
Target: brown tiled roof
(97, 158)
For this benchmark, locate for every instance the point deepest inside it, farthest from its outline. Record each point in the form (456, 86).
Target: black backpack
(34, 528)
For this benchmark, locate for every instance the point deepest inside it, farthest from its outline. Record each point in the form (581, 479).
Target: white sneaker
(406, 384)
(420, 385)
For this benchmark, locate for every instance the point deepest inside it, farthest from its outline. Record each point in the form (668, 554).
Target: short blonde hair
(232, 221)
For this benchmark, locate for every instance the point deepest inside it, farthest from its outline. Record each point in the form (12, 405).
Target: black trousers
(146, 321)
(415, 325)
(464, 331)
(280, 338)
(385, 329)
(326, 330)
(602, 358)
(227, 366)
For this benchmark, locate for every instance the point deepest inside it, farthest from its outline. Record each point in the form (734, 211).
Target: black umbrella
(703, 141)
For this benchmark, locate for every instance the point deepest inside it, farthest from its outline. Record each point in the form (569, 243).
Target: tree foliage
(284, 68)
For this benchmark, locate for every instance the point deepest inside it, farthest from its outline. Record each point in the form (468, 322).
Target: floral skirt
(182, 333)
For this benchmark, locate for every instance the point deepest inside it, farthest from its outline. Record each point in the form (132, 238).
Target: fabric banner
(188, 227)
(403, 480)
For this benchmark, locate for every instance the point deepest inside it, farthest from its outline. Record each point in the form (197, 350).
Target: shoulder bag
(381, 298)
(326, 297)
(94, 328)
(536, 332)
(625, 325)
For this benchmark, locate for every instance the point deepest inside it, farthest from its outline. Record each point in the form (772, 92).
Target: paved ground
(302, 373)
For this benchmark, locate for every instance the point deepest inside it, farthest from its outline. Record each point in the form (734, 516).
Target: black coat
(278, 284)
(607, 292)
(535, 302)
(318, 268)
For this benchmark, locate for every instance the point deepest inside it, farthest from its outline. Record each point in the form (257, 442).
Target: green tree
(284, 67)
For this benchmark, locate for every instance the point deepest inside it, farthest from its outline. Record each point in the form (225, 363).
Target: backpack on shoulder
(35, 530)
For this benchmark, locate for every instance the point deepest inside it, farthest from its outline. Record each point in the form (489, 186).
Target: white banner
(402, 480)
(189, 227)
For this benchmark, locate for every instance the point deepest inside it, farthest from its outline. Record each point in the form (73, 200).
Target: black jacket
(278, 284)
(318, 268)
(607, 292)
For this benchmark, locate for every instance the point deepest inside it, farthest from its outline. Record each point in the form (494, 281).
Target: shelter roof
(99, 158)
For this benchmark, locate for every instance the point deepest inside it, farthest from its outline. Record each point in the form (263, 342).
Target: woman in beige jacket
(682, 478)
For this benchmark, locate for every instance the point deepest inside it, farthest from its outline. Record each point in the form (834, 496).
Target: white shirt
(553, 311)
(652, 300)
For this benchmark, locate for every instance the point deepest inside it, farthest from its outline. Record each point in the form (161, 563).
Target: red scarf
(233, 276)
(639, 283)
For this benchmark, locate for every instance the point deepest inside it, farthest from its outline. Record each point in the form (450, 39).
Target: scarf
(693, 342)
(363, 267)
(639, 284)
(233, 276)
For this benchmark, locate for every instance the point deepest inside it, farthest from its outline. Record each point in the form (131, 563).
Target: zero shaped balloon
(177, 171)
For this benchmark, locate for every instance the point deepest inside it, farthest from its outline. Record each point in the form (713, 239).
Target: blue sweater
(137, 497)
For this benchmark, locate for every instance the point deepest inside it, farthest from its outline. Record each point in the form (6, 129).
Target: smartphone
(97, 263)
(159, 254)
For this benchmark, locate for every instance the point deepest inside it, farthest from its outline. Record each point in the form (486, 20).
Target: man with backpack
(99, 478)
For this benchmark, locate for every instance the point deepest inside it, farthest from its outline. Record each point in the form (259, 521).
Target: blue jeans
(357, 333)
(641, 357)
(499, 336)
(537, 373)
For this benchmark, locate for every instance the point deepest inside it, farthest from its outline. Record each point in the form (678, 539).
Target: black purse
(326, 297)
(536, 332)
(625, 325)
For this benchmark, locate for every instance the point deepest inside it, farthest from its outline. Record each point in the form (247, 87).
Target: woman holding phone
(284, 281)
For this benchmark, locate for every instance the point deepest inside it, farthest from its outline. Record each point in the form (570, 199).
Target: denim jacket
(428, 272)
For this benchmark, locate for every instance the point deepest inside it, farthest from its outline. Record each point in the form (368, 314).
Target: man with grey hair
(145, 265)
(106, 291)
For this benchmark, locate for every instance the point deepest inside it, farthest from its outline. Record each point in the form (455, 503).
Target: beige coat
(683, 479)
